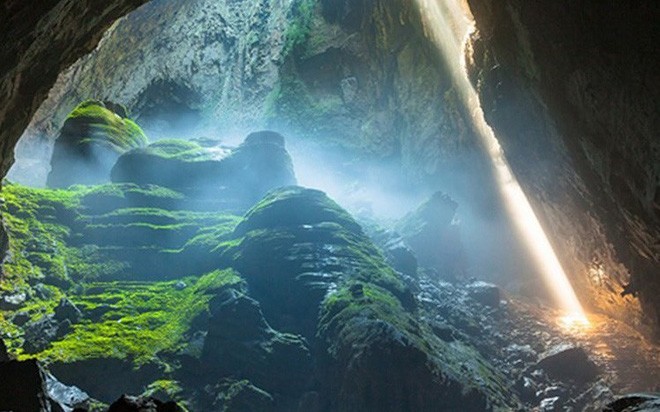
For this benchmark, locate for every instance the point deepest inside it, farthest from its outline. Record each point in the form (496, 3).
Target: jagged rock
(93, 136)
(40, 333)
(241, 396)
(239, 177)
(430, 232)
(23, 387)
(70, 397)
(485, 293)
(67, 310)
(240, 343)
(315, 272)
(20, 318)
(566, 362)
(143, 404)
(637, 402)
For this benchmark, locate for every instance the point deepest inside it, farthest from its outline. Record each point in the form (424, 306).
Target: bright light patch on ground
(449, 25)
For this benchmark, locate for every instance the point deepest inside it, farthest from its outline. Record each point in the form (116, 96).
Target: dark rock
(241, 396)
(97, 312)
(567, 362)
(485, 293)
(399, 255)
(240, 343)
(4, 355)
(67, 310)
(104, 378)
(433, 237)
(20, 318)
(23, 387)
(636, 402)
(40, 333)
(90, 141)
(143, 404)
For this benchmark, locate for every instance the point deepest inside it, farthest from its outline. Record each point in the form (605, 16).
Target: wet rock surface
(593, 165)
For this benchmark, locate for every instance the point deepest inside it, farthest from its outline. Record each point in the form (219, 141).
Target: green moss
(92, 123)
(144, 320)
(177, 149)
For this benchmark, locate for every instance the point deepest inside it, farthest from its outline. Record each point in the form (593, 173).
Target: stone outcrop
(93, 136)
(238, 177)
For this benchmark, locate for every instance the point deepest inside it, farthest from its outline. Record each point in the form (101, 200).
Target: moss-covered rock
(215, 176)
(93, 136)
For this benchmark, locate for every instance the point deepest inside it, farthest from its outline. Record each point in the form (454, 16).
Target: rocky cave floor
(556, 366)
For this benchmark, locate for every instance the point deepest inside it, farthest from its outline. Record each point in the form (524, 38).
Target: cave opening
(328, 205)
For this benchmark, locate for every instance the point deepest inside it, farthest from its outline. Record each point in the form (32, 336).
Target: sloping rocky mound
(317, 274)
(93, 136)
(240, 176)
(291, 306)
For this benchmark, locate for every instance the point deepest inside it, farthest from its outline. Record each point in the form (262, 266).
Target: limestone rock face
(578, 123)
(90, 141)
(367, 80)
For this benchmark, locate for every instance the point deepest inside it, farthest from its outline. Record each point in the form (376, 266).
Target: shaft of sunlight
(449, 24)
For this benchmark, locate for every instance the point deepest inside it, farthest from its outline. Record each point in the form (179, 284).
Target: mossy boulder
(91, 139)
(218, 176)
(294, 246)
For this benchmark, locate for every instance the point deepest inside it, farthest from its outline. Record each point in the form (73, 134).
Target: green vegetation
(139, 320)
(177, 149)
(63, 242)
(97, 124)
(300, 26)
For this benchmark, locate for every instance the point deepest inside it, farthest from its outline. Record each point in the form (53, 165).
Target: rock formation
(93, 136)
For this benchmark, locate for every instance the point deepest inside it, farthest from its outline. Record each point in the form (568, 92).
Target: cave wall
(39, 40)
(360, 76)
(572, 89)
(205, 65)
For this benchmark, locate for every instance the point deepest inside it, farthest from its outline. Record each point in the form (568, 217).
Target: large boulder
(93, 136)
(23, 387)
(212, 173)
(432, 234)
